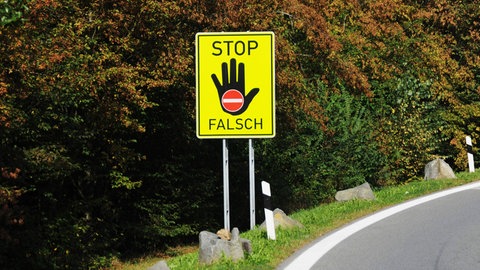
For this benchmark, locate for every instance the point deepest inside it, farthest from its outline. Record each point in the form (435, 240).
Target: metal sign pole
(251, 154)
(226, 199)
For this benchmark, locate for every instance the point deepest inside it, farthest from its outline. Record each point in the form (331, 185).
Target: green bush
(408, 126)
(310, 161)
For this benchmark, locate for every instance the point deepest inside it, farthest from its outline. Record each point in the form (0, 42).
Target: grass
(318, 221)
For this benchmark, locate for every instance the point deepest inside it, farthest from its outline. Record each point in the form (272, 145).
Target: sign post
(226, 187)
(251, 155)
(235, 94)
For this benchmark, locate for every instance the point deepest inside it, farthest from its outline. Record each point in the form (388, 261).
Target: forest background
(98, 153)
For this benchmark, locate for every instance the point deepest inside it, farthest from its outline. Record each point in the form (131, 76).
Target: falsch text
(235, 124)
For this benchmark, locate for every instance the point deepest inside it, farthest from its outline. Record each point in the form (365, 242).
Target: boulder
(213, 247)
(362, 192)
(280, 219)
(438, 169)
(161, 265)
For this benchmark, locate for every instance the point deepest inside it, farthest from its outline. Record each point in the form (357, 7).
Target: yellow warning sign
(235, 82)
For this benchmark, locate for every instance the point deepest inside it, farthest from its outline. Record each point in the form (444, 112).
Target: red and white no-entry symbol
(232, 100)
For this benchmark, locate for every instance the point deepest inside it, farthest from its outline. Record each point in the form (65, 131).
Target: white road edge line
(310, 256)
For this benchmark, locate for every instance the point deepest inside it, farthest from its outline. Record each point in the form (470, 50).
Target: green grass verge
(318, 221)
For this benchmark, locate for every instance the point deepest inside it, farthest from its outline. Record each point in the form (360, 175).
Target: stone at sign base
(161, 265)
(438, 169)
(280, 219)
(362, 192)
(213, 247)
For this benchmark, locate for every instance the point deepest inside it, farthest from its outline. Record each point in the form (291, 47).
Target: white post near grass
(471, 165)
(268, 210)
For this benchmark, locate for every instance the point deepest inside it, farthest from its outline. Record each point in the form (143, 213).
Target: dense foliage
(98, 153)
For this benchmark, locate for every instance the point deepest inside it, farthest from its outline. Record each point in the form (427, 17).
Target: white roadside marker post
(268, 210)
(471, 165)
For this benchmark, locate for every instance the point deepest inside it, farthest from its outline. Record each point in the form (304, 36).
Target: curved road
(439, 231)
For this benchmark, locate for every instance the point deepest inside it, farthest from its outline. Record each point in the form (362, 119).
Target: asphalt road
(439, 233)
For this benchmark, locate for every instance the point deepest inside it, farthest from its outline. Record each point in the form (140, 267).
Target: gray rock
(280, 219)
(362, 192)
(246, 245)
(235, 234)
(438, 169)
(161, 265)
(212, 247)
(235, 249)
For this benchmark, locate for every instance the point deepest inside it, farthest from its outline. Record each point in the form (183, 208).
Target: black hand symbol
(234, 86)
